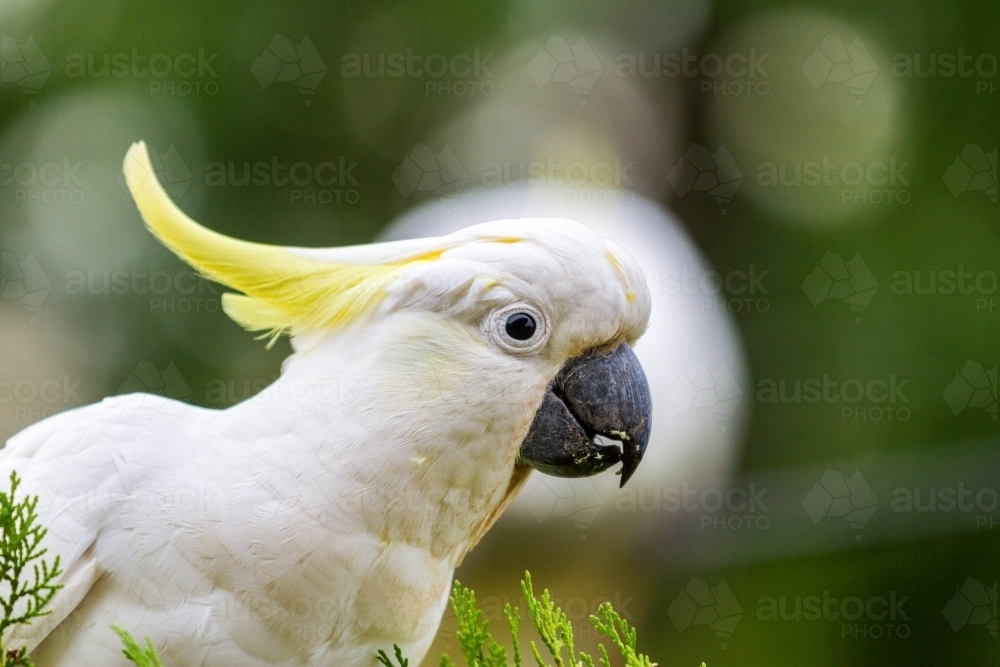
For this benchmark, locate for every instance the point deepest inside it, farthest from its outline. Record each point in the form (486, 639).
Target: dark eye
(518, 328)
(521, 326)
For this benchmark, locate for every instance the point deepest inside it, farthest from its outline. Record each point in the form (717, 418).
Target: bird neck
(414, 426)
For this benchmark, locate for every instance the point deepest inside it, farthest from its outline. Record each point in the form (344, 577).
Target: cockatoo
(322, 519)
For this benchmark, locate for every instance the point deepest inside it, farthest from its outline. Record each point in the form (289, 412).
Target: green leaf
(21, 552)
(141, 656)
(610, 623)
(384, 659)
(478, 646)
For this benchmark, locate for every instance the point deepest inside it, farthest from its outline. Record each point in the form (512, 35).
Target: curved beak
(597, 393)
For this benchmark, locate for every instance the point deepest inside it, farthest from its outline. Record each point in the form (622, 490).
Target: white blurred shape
(697, 444)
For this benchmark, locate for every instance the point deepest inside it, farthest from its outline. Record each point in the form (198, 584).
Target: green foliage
(473, 636)
(141, 656)
(556, 631)
(608, 622)
(384, 659)
(20, 541)
(480, 649)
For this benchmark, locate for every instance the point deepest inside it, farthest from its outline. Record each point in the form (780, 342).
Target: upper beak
(597, 393)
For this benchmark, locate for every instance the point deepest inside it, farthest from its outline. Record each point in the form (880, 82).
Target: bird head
(546, 302)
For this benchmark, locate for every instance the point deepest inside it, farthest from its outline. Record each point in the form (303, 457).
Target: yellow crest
(282, 292)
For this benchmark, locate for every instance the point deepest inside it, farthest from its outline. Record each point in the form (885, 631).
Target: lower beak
(598, 393)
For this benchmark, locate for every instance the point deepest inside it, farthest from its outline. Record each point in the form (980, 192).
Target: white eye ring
(496, 326)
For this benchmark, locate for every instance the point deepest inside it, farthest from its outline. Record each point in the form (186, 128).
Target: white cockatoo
(322, 519)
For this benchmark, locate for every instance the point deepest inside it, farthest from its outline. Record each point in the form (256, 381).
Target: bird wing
(81, 464)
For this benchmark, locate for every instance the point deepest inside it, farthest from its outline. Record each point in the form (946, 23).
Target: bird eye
(518, 328)
(521, 326)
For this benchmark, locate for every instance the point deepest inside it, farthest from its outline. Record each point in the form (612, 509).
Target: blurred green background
(238, 84)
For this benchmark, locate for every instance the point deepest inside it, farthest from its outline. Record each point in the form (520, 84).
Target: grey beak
(598, 393)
